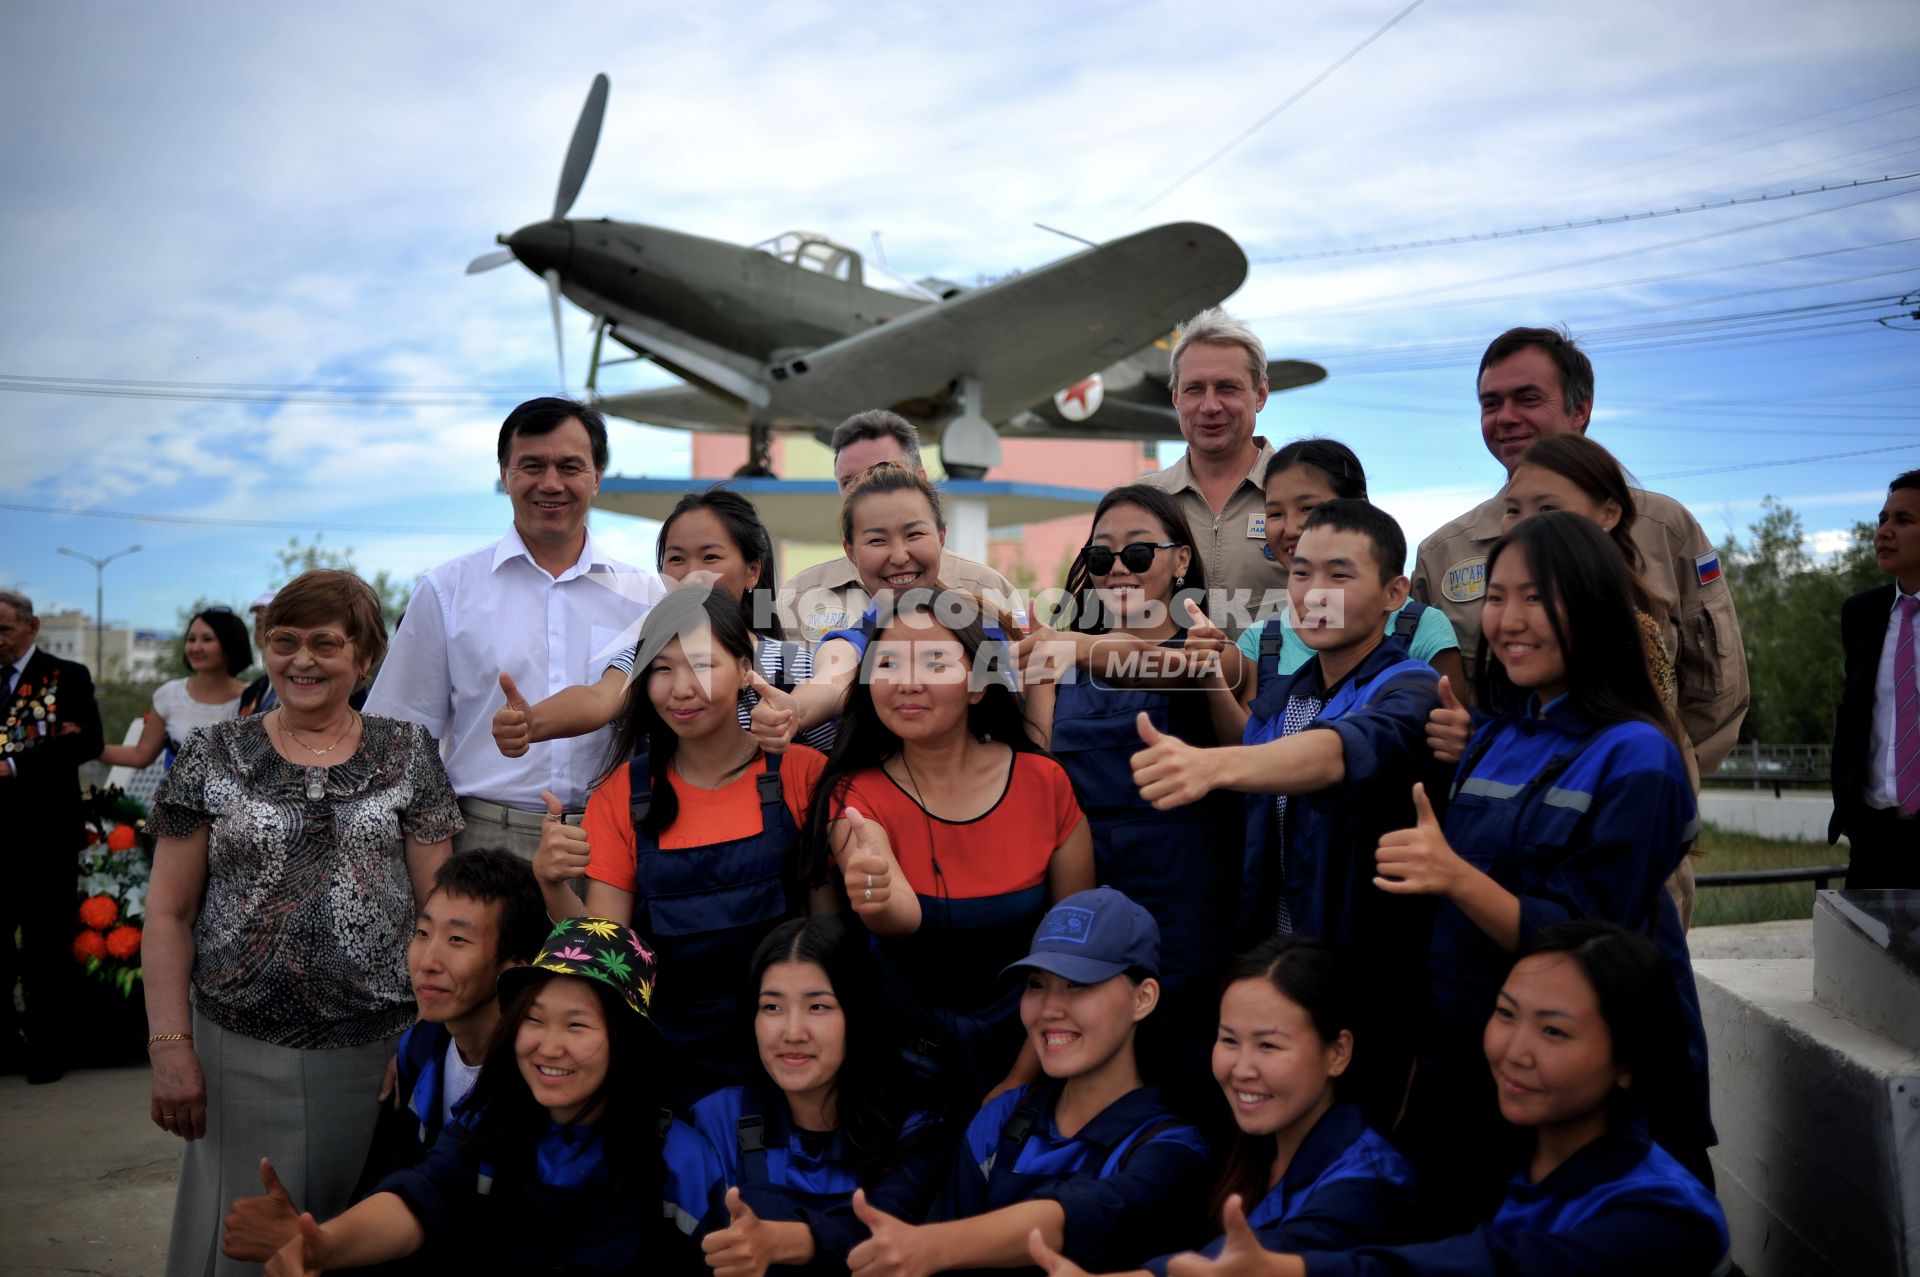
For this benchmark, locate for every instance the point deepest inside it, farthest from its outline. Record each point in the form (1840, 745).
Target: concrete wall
(1792, 816)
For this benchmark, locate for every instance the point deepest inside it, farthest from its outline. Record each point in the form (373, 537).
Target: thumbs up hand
(563, 851)
(1449, 726)
(1050, 1261)
(775, 719)
(1419, 861)
(512, 722)
(1169, 772)
(1241, 1254)
(740, 1249)
(306, 1255)
(1205, 641)
(256, 1227)
(893, 1247)
(866, 861)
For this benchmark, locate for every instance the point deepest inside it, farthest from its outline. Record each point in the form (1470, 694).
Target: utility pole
(99, 602)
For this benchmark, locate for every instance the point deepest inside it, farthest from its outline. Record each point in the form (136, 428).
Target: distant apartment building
(122, 655)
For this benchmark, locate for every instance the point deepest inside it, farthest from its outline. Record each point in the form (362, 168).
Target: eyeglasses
(1137, 556)
(324, 644)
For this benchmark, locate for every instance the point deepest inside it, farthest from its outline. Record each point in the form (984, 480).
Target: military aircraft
(797, 332)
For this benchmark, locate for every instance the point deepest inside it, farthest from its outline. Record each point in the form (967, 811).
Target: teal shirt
(1432, 635)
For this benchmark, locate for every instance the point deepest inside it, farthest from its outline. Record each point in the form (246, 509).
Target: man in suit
(52, 727)
(1876, 738)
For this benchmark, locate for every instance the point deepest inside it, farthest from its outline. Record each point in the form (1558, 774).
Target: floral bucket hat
(592, 949)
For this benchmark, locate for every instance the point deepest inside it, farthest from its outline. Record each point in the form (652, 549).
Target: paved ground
(86, 1181)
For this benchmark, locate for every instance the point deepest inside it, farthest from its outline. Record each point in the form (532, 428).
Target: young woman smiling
(1585, 1045)
(691, 833)
(832, 1112)
(215, 650)
(1182, 865)
(950, 832)
(1089, 1156)
(715, 537)
(562, 1161)
(1571, 802)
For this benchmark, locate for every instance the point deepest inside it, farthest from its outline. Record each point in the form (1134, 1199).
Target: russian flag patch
(1707, 566)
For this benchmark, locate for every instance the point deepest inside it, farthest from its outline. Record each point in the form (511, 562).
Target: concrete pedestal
(1818, 1107)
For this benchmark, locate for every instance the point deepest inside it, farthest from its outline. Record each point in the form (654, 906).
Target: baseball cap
(1093, 936)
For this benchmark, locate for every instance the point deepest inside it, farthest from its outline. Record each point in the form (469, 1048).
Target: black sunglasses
(1136, 555)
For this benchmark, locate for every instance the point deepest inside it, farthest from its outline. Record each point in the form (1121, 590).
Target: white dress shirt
(1880, 768)
(497, 611)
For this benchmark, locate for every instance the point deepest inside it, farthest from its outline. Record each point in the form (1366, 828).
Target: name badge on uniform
(1466, 580)
(1257, 527)
(823, 620)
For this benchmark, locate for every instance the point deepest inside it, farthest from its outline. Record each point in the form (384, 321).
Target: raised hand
(304, 1256)
(1050, 1261)
(512, 722)
(1045, 655)
(866, 863)
(1169, 772)
(563, 851)
(1418, 861)
(775, 719)
(1242, 1255)
(256, 1227)
(740, 1249)
(1448, 726)
(892, 1246)
(1205, 641)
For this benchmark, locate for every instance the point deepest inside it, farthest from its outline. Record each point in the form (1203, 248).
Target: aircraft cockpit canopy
(817, 253)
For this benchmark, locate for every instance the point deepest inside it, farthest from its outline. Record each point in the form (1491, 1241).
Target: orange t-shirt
(1004, 850)
(706, 816)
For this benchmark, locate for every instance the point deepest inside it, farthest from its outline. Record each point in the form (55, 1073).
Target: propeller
(586, 135)
(573, 174)
(559, 343)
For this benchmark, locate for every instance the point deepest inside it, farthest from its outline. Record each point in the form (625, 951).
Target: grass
(1725, 850)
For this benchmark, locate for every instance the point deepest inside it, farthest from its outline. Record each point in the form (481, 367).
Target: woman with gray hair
(294, 847)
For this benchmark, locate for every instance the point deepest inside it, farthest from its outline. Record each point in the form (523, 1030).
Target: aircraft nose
(542, 246)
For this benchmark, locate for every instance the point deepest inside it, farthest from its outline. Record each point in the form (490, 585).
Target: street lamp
(99, 602)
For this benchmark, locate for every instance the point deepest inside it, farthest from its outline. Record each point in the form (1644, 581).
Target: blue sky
(271, 196)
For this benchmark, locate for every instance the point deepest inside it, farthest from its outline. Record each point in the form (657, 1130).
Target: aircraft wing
(681, 407)
(1024, 337)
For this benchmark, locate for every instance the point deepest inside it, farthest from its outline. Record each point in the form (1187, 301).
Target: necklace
(286, 729)
(725, 776)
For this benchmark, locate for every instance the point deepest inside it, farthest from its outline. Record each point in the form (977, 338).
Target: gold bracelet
(168, 1037)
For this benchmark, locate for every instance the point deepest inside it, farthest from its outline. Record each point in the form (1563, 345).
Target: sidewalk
(86, 1182)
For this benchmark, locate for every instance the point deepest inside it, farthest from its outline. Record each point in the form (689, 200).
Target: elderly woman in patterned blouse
(293, 847)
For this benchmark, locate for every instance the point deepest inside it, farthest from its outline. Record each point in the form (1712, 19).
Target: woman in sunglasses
(294, 849)
(1137, 649)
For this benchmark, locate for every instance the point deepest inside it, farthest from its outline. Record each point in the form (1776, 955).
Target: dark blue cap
(1093, 936)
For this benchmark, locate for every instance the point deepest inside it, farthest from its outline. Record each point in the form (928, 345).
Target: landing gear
(759, 452)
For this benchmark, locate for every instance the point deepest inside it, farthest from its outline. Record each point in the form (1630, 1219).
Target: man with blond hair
(1219, 383)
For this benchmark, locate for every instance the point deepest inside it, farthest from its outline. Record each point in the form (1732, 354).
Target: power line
(1611, 219)
(1784, 461)
(281, 524)
(1266, 119)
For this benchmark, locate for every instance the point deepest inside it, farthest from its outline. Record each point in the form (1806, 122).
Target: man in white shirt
(828, 596)
(541, 604)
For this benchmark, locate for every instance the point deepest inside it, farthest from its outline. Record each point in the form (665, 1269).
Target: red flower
(99, 912)
(123, 942)
(89, 944)
(120, 838)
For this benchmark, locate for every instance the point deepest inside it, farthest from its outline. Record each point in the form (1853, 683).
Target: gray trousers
(311, 1112)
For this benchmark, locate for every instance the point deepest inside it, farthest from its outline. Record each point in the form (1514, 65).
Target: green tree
(1789, 606)
(296, 557)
